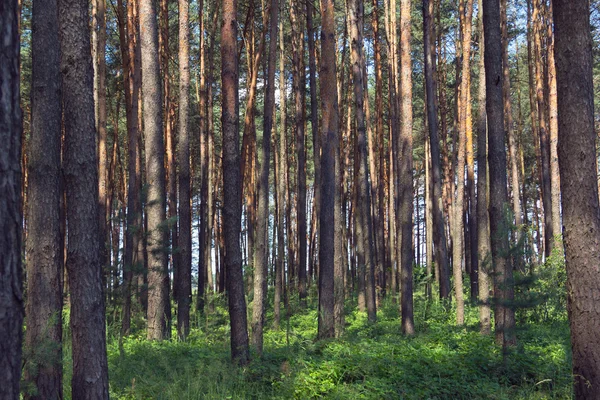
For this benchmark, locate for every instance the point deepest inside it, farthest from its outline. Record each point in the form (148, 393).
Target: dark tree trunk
(300, 116)
(364, 227)
(44, 248)
(232, 207)
(499, 230)
(329, 109)
(90, 372)
(439, 233)
(158, 289)
(577, 161)
(11, 215)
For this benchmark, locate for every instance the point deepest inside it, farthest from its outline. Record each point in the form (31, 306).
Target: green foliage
(372, 361)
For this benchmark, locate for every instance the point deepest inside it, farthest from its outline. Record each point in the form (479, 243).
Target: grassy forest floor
(376, 361)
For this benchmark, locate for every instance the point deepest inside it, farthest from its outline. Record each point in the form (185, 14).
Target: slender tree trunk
(503, 282)
(483, 235)
(262, 229)
(314, 126)
(364, 227)
(577, 159)
(405, 179)
(329, 102)
(543, 130)
(512, 144)
(183, 163)
(232, 206)
(90, 378)
(553, 114)
(11, 214)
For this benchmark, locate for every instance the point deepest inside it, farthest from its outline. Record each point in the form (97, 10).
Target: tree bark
(577, 160)
(158, 289)
(183, 163)
(503, 283)
(483, 235)
(232, 207)
(329, 109)
(44, 247)
(11, 215)
(90, 372)
(405, 169)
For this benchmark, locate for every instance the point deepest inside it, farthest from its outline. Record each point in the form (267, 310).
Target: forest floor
(371, 361)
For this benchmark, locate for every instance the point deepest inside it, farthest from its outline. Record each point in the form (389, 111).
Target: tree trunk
(577, 160)
(232, 207)
(262, 229)
(503, 282)
(11, 215)
(329, 103)
(314, 126)
(90, 378)
(439, 230)
(405, 169)
(44, 248)
(158, 290)
(543, 131)
(553, 114)
(512, 145)
(183, 163)
(483, 235)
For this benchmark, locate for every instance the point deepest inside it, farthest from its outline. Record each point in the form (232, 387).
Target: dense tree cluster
(394, 143)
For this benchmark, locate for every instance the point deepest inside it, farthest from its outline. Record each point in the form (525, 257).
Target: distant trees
(578, 170)
(386, 195)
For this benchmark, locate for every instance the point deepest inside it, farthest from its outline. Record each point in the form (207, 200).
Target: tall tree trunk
(483, 235)
(232, 207)
(183, 163)
(553, 114)
(378, 184)
(90, 378)
(405, 178)
(100, 63)
(44, 248)
(262, 229)
(503, 282)
(314, 126)
(508, 120)
(11, 214)
(203, 217)
(329, 103)
(439, 232)
(158, 290)
(131, 72)
(281, 177)
(299, 74)
(466, 11)
(543, 130)
(364, 227)
(577, 160)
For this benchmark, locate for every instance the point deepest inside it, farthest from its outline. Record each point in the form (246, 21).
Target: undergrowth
(371, 361)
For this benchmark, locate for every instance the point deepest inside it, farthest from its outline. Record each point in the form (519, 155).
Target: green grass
(370, 362)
